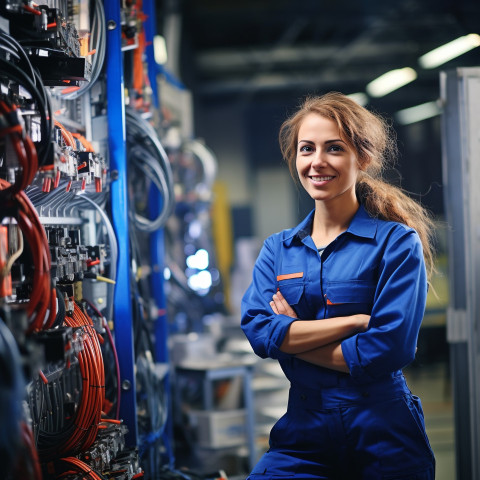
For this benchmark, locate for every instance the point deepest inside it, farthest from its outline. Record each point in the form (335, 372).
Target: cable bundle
(11, 125)
(20, 71)
(146, 153)
(84, 429)
(73, 467)
(112, 352)
(43, 298)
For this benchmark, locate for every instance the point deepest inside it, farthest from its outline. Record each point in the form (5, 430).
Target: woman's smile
(321, 180)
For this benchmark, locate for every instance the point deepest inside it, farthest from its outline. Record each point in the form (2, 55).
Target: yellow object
(222, 235)
(105, 279)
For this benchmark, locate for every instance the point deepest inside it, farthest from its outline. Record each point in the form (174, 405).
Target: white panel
(274, 206)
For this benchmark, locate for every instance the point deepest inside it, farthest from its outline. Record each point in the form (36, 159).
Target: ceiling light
(418, 113)
(390, 81)
(159, 49)
(360, 97)
(450, 50)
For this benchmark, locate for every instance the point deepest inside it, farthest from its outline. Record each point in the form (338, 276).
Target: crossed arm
(318, 341)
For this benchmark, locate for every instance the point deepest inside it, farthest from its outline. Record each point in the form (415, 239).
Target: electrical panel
(61, 386)
(97, 261)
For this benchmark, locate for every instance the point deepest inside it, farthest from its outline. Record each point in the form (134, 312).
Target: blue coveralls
(363, 425)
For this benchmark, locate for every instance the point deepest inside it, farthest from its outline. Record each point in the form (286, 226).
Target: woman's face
(327, 167)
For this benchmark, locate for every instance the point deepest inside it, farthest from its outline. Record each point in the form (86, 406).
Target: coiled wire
(147, 154)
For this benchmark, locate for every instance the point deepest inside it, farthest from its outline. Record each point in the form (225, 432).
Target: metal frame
(217, 371)
(460, 91)
(122, 313)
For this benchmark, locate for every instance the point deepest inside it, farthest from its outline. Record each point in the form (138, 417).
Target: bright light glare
(167, 273)
(159, 49)
(360, 97)
(199, 260)
(450, 50)
(418, 113)
(202, 281)
(390, 81)
(195, 229)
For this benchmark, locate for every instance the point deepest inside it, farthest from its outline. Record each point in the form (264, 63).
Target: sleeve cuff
(350, 354)
(280, 327)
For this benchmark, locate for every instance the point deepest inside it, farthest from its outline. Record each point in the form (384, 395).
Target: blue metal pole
(122, 313)
(157, 256)
(157, 247)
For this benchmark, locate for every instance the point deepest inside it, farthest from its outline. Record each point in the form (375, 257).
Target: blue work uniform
(366, 424)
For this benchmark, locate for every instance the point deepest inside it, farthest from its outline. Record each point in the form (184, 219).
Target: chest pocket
(292, 290)
(348, 298)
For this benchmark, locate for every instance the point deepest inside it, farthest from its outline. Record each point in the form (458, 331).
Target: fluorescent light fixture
(450, 50)
(390, 81)
(359, 97)
(418, 113)
(159, 49)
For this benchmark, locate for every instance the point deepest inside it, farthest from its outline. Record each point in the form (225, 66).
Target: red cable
(23, 147)
(117, 367)
(88, 416)
(86, 144)
(32, 10)
(41, 298)
(67, 136)
(115, 355)
(80, 466)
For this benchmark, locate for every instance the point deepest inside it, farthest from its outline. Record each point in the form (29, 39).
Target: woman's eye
(335, 148)
(306, 148)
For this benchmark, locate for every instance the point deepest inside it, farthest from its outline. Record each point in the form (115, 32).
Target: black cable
(20, 53)
(19, 76)
(61, 309)
(18, 49)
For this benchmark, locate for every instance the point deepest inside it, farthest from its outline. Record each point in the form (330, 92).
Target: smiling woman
(327, 166)
(339, 300)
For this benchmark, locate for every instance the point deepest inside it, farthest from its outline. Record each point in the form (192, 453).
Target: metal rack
(461, 171)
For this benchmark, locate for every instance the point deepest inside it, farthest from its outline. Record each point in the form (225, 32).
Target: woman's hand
(281, 307)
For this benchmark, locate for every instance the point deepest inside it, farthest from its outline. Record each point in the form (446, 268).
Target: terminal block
(52, 43)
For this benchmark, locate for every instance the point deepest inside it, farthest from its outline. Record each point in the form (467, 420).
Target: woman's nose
(319, 160)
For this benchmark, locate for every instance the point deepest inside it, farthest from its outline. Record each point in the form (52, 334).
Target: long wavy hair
(374, 142)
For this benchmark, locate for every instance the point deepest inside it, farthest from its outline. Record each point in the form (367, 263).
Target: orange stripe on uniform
(329, 302)
(287, 276)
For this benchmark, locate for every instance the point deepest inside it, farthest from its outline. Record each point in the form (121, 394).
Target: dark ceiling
(256, 48)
